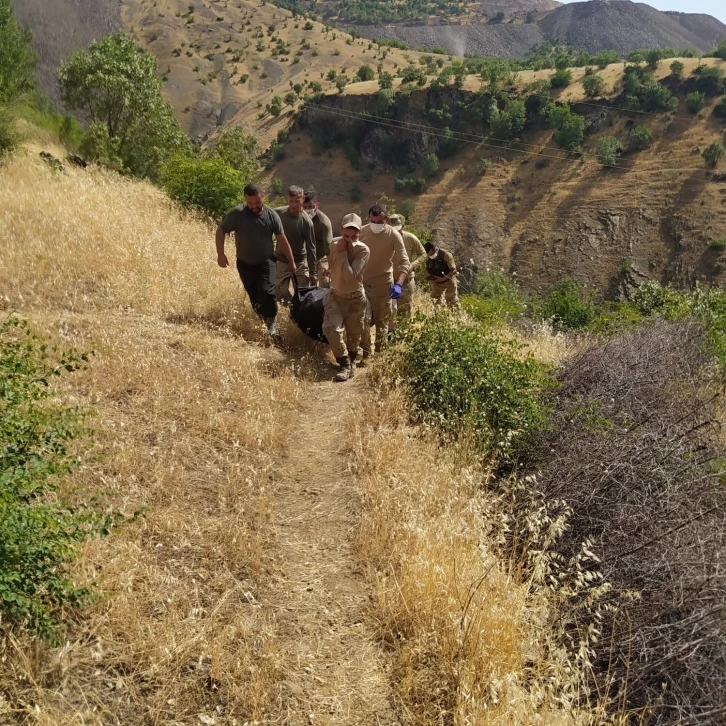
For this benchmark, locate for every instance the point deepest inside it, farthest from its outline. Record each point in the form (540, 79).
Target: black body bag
(306, 309)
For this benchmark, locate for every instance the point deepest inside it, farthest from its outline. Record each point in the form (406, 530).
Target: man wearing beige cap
(384, 276)
(416, 255)
(345, 304)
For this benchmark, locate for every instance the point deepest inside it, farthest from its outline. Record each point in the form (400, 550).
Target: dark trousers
(259, 282)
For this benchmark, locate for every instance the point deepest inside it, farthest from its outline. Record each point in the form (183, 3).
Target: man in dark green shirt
(323, 235)
(299, 231)
(254, 226)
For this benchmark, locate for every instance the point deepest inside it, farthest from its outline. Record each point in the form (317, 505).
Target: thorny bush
(634, 447)
(38, 534)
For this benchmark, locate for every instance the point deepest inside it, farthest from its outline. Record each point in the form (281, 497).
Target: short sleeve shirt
(253, 234)
(441, 265)
(300, 234)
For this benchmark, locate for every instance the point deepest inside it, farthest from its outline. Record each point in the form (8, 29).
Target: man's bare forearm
(219, 241)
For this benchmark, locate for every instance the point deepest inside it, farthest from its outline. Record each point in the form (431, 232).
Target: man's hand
(396, 291)
(313, 281)
(222, 260)
(293, 269)
(440, 280)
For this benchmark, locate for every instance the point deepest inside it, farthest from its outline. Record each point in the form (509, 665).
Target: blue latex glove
(396, 291)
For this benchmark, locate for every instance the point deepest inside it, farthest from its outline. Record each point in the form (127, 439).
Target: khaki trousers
(448, 290)
(378, 315)
(343, 322)
(283, 293)
(404, 303)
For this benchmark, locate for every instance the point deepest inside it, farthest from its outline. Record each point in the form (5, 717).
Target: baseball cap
(397, 221)
(352, 220)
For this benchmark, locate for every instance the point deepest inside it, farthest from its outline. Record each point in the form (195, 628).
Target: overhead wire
(477, 140)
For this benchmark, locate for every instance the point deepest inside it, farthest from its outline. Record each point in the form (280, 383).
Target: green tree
(240, 150)
(561, 78)
(290, 99)
(593, 85)
(677, 69)
(275, 106)
(332, 74)
(365, 73)
(431, 164)
(695, 101)
(17, 60)
(341, 82)
(652, 58)
(713, 153)
(709, 80)
(569, 127)
(385, 80)
(720, 51)
(115, 85)
(641, 137)
(210, 185)
(608, 150)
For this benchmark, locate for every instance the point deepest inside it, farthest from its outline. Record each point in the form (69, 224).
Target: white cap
(352, 220)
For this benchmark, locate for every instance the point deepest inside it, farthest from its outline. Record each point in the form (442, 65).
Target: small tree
(652, 58)
(713, 153)
(17, 60)
(695, 101)
(719, 110)
(677, 69)
(290, 99)
(340, 83)
(641, 137)
(593, 85)
(385, 80)
(365, 73)
(332, 74)
(240, 150)
(608, 150)
(431, 164)
(561, 78)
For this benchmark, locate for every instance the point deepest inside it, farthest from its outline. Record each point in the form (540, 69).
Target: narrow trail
(334, 671)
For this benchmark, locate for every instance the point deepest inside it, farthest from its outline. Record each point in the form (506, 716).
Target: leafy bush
(39, 536)
(561, 78)
(385, 80)
(210, 185)
(468, 382)
(9, 136)
(695, 101)
(717, 244)
(365, 73)
(431, 165)
(570, 127)
(341, 82)
(408, 207)
(356, 194)
(494, 298)
(240, 150)
(567, 305)
(641, 137)
(593, 85)
(677, 69)
(713, 153)
(17, 60)
(510, 121)
(709, 80)
(608, 150)
(719, 110)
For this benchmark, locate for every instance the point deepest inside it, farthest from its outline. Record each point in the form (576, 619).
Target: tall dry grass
(188, 427)
(471, 640)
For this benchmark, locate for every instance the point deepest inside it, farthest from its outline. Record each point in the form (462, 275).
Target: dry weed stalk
(470, 641)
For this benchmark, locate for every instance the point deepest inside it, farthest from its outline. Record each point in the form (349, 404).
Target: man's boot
(353, 355)
(272, 328)
(366, 359)
(345, 373)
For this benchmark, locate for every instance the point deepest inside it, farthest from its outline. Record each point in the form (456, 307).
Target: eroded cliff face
(543, 214)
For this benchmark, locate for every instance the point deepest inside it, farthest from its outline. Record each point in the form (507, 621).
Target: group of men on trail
(367, 268)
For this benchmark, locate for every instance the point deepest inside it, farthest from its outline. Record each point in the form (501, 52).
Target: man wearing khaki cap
(416, 255)
(345, 304)
(384, 276)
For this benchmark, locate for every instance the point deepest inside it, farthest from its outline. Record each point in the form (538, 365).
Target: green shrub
(276, 186)
(717, 244)
(695, 101)
(561, 78)
(9, 136)
(593, 86)
(494, 298)
(608, 150)
(356, 194)
(641, 137)
(39, 535)
(239, 149)
(467, 382)
(210, 185)
(713, 153)
(365, 73)
(570, 127)
(719, 110)
(17, 60)
(568, 305)
(709, 80)
(677, 69)
(431, 165)
(408, 207)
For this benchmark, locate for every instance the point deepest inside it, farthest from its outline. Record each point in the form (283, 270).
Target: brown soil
(333, 670)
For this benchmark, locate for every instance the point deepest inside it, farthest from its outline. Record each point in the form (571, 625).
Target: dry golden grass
(470, 642)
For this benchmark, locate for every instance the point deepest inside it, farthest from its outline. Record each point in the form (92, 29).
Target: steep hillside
(593, 26)
(531, 208)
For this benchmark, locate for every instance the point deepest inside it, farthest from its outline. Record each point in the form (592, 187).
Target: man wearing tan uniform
(416, 256)
(441, 270)
(383, 277)
(345, 304)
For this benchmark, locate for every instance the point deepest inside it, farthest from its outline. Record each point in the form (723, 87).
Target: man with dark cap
(323, 235)
(254, 225)
(441, 270)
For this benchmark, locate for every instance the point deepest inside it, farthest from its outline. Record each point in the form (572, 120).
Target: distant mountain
(597, 25)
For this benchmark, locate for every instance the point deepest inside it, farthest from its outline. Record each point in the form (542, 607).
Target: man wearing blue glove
(384, 276)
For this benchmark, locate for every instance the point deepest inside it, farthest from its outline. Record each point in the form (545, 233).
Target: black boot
(345, 372)
(353, 356)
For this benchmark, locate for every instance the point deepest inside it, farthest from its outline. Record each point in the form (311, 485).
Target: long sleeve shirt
(388, 257)
(347, 266)
(323, 234)
(415, 251)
